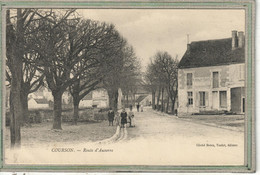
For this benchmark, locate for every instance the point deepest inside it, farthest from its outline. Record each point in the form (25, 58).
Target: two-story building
(211, 76)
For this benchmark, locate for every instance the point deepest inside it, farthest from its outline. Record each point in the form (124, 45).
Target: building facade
(98, 98)
(211, 76)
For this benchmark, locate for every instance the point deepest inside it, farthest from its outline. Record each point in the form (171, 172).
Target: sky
(152, 30)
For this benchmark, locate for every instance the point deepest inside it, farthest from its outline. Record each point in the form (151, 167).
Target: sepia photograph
(128, 88)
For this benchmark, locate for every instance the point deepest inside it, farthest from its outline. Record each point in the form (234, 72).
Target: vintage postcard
(151, 86)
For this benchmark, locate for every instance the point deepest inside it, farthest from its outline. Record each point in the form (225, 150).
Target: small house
(211, 76)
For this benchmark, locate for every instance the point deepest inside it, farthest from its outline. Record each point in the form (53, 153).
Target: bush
(66, 118)
(103, 110)
(100, 116)
(86, 115)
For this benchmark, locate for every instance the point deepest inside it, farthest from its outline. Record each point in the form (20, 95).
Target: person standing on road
(131, 117)
(142, 108)
(138, 106)
(123, 118)
(111, 116)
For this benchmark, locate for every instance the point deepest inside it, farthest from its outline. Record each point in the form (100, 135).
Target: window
(190, 98)
(202, 99)
(223, 99)
(215, 80)
(189, 79)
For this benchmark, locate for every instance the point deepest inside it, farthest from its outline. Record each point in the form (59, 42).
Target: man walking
(111, 116)
(138, 106)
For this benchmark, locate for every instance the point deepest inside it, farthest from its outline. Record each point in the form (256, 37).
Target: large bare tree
(121, 70)
(162, 73)
(66, 39)
(103, 38)
(19, 24)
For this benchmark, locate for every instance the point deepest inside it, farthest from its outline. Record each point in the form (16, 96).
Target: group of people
(121, 119)
(138, 106)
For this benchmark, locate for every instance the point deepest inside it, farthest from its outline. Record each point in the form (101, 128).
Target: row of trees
(161, 78)
(62, 51)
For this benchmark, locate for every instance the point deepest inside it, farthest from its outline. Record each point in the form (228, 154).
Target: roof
(141, 98)
(212, 53)
(141, 90)
(88, 96)
(42, 101)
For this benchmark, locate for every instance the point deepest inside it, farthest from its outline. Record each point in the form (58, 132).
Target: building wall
(229, 76)
(32, 104)
(85, 103)
(99, 98)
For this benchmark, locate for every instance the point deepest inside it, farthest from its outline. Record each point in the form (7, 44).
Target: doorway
(215, 99)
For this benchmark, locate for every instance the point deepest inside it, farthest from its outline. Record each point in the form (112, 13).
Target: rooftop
(212, 53)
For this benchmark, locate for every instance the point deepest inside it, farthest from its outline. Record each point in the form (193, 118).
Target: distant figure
(142, 108)
(131, 118)
(111, 116)
(138, 106)
(123, 118)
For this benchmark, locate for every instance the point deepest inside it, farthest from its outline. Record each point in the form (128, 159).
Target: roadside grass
(42, 134)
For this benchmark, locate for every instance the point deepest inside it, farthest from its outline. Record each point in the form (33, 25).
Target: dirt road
(157, 139)
(152, 124)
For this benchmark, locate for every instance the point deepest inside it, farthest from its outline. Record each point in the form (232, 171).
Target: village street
(152, 123)
(167, 139)
(157, 139)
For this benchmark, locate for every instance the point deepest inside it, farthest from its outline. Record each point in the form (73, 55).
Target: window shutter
(197, 99)
(206, 98)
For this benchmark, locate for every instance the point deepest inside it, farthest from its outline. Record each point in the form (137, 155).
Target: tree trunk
(158, 98)
(75, 110)
(127, 100)
(162, 108)
(116, 100)
(173, 108)
(167, 107)
(24, 100)
(16, 55)
(134, 99)
(153, 99)
(57, 110)
(113, 99)
(16, 116)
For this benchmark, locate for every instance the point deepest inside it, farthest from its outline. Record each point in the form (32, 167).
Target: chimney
(188, 48)
(241, 39)
(234, 39)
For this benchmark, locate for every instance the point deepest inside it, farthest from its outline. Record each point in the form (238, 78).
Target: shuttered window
(202, 99)
(215, 80)
(189, 79)
(223, 99)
